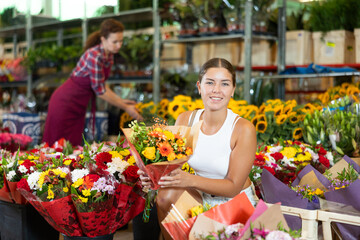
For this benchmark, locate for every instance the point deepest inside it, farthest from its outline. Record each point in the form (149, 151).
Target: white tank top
(212, 153)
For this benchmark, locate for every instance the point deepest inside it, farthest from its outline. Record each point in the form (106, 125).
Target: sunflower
(291, 102)
(199, 103)
(281, 119)
(175, 108)
(125, 117)
(345, 85)
(293, 118)
(191, 106)
(342, 92)
(288, 108)
(297, 133)
(255, 120)
(164, 102)
(262, 108)
(261, 126)
(182, 98)
(278, 110)
(161, 113)
(261, 117)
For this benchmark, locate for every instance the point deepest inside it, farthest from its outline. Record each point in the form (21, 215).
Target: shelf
(6, 31)
(311, 75)
(129, 80)
(217, 37)
(13, 84)
(135, 15)
(303, 91)
(274, 68)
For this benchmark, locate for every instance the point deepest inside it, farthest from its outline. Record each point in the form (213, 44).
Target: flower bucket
(104, 237)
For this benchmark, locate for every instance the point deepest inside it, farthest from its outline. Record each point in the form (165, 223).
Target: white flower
(314, 155)
(234, 228)
(271, 159)
(275, 149)
(22, 169)
(288, 161)
(64, 169)
(117, 165)
(10, 175)
(10, 165)
(278, 235)
(33, 180)
(330, 157)
(78, 173)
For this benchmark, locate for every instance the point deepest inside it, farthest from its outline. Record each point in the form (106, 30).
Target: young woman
(68, 104)
(225, 149)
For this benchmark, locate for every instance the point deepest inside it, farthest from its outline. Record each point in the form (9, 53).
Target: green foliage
(296, 19)
(138, 51)
(334, 15)
(6, 16)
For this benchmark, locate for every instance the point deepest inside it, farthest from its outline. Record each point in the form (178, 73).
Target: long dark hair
(218, 63)
(107, 26)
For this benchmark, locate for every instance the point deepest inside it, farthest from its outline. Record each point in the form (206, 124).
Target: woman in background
(68, 104)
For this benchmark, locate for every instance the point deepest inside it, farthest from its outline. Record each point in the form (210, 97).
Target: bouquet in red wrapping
(93, 196)
(49, 192)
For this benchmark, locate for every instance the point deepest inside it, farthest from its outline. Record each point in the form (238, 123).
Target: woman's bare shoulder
(245, 127)
(183, 118)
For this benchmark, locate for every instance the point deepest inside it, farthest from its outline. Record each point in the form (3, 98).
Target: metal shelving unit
(135, 15)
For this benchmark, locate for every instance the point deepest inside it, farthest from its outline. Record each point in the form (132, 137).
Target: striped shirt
(92, 64)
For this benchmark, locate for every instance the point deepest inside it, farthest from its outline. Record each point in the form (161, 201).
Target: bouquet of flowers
(48, 191)
(285, 159)
(12, 142)
(16, 167)
(93, 196)
(186, 212)
(159, 149)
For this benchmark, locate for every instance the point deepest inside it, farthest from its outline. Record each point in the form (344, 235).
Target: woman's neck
(212, 121)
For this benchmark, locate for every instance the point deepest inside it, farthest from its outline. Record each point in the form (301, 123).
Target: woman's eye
(209, 83)
(226, 84)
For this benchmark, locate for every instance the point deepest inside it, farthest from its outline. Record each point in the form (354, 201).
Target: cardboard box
(299, 48)
(334, 47)
(357, 45)
(263, 53)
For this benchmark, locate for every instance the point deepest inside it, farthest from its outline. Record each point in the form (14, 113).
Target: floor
(126, 234)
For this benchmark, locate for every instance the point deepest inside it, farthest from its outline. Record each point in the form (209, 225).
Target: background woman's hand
(132, 111)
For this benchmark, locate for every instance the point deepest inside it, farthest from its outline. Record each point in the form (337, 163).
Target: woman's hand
(176, 178)
(131, 110)
(144, 178)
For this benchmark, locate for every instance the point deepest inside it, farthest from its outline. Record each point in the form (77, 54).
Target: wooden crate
(263, 53)
(299, 48)
(334, 47)
(357, 45)
(172, 55)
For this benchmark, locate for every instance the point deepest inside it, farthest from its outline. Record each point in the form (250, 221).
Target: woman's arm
(127, 105)
(243, 144)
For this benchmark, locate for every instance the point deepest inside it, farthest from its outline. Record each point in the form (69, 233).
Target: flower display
(13, 142)
(285, 159)
(334, 93)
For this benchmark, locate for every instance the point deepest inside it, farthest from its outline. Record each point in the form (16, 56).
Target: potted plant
(184, 14)
(332, 23)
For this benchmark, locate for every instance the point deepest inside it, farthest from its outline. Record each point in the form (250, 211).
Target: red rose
(130, 174)
(23, 184)
(297, 143)
(102, 159)
(271, 170)
(324, 161)
(92, 177)
(277, 156)
(59, 149)
(321, 150)
(259, 160)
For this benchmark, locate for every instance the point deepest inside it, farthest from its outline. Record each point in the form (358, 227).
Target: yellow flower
(304, 157)
(33, 157)
(293, 118)
(125, 152)
(169, 135)
(196, 210)
(288, 109)
(171, 156)
(84, 200)
(78, 183)
(182, 98)
(178, 156)
(81, 156)
(188, 151)
(50, 194)
(86, 192)
(278, 110)
(199, 103)
(67, 162)
(318, 191)
(261, 126)
(131, 160)
(149, 153)
(297, 133)
(289, 152)
(281, 119)
(125, 117)
(115, 154)
(65, 189)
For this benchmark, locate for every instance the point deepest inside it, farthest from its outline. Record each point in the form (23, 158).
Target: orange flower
(188, 151)
(171, 156)
(180, 156)
(165, 149)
